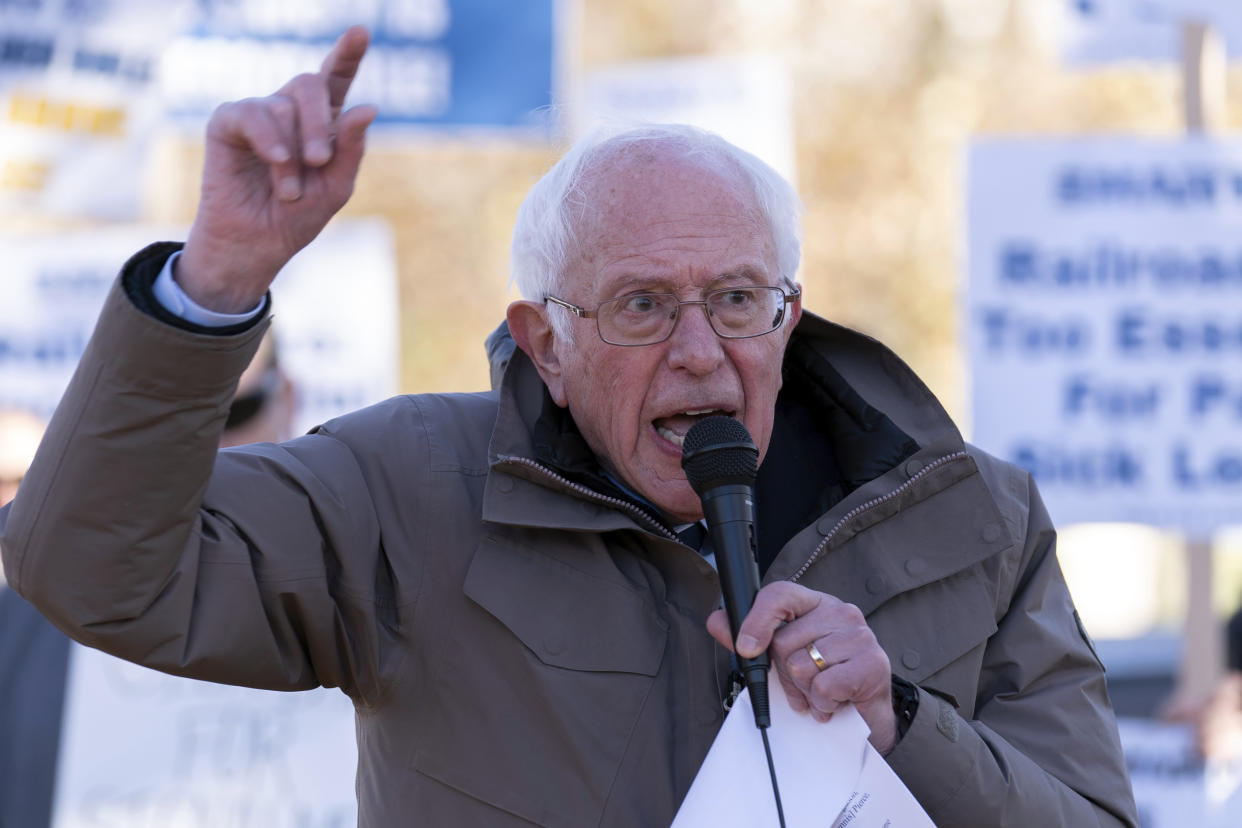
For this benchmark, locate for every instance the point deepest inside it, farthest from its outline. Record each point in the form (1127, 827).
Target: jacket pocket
(935, 635)
(544, 686)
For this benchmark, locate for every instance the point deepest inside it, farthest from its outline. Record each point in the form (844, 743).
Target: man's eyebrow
(741, 274)
(661, 283)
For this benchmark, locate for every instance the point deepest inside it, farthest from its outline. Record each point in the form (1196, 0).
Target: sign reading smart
(1104, 321)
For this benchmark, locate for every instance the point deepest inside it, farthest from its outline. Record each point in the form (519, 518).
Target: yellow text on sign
(66, 116)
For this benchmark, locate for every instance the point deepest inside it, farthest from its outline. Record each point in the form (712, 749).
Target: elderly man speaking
(495, 579)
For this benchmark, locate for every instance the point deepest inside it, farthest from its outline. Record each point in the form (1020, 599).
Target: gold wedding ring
(817, 656)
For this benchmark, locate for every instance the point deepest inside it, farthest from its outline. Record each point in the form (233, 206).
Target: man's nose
(693, 344)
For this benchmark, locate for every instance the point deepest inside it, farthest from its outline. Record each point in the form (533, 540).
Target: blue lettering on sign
(465, 63)
(1023, 263)
(25, 52)
(1018, 263)
(1033, 335)
(47, 348)
(1139, 333)
(111, 64)
(87, 11)
(1084, 394)
(1078, 186)
(1211, 394)
(73, 281)
(1086, 468)
(1192, 471)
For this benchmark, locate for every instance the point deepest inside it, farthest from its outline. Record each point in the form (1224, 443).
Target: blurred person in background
(1217, 720)
(500, 581)
(265, 403)
(20, 432)
(34, 655)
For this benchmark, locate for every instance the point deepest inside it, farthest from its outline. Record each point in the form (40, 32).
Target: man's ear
(529, 326)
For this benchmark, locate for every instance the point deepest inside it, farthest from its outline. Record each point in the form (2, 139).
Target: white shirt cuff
(169, 294)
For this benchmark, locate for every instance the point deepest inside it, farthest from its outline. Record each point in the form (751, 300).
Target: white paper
(880, 800)
(829, 775)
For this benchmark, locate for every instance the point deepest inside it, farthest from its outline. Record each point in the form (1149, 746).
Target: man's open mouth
(674, 428)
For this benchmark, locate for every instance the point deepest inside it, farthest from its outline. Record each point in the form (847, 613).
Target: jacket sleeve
(255, 567)
(1042, 747)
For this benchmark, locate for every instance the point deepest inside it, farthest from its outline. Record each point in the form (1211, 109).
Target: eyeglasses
(650, 318)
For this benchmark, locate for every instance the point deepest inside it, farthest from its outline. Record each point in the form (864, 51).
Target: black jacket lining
(139, 275)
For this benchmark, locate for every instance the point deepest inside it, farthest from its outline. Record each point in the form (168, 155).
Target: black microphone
(721, 463)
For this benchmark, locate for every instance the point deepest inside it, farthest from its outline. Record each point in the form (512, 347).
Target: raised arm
(129, 532)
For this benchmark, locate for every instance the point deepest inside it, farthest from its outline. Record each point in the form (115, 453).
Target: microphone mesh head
(718, 451)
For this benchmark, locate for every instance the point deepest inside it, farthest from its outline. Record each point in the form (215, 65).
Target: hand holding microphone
(784, 619)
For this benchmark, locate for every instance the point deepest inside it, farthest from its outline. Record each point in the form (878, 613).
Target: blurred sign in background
(1102, 31)
(88, 82)
(341, 354)
(1104, 324)
(433, 63)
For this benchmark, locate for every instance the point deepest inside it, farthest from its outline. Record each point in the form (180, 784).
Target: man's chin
(680, 506)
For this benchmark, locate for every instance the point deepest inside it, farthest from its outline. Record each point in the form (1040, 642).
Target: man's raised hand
(276, 170)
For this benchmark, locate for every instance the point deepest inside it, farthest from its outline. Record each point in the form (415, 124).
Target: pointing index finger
(341, 65)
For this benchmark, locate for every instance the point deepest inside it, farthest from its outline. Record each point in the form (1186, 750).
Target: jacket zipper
(858, 510)
(591, 494)
(659, 528)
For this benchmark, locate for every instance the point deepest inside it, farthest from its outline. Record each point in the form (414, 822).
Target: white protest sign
(744, 99)
(141, 749)
(335, 313)
(1104, 324)
(1173, 787)
(1101, 31)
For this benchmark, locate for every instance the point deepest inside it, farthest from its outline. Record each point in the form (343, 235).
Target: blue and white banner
(464, 64)
(86, 84)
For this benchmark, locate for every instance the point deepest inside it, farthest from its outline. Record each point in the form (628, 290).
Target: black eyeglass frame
(578, 310)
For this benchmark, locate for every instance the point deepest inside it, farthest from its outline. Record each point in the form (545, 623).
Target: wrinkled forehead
(654, 196)
(652, 169)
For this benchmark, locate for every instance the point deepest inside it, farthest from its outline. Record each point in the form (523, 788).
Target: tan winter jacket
(520, 648)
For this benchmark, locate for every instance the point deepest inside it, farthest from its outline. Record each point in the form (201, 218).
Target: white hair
(544, 233)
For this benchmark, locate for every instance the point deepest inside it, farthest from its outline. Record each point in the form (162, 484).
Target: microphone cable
(776, 790)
